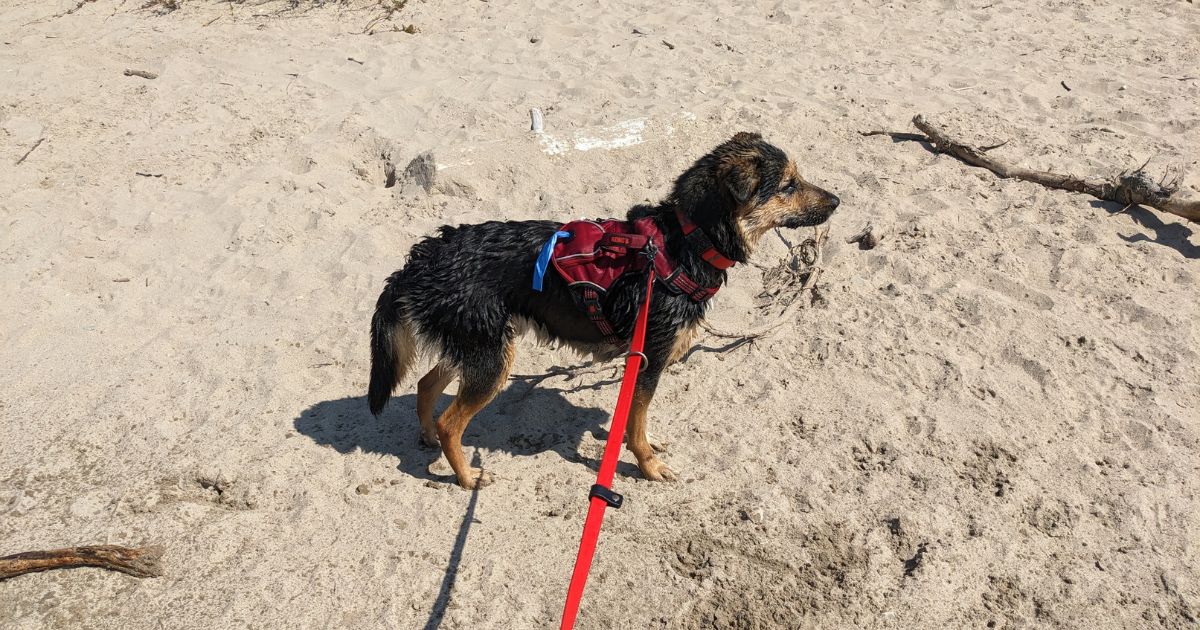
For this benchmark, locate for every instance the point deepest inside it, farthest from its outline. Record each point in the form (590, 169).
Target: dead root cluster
(787, 287)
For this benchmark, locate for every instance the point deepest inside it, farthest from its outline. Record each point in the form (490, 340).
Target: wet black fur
(462, 288)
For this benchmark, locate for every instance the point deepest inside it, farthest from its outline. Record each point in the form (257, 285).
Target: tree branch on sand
(138, 562)
(1136, 188)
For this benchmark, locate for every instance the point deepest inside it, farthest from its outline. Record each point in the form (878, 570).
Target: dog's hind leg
(480, 380)
(428, 389)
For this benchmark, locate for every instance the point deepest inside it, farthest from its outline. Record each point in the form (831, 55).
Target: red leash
(602, 495)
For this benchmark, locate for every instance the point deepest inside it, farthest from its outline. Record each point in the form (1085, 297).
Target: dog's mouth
(812, 216)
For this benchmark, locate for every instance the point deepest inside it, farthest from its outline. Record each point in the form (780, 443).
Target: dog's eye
(789, 190)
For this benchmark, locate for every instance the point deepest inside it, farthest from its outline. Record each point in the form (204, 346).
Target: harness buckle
(613, 499)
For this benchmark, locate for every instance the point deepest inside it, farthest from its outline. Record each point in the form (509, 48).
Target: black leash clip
(613, 499)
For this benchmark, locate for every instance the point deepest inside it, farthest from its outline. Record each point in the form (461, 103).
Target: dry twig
(78, 5)
(896, 135)
(138, 562)
(389, 9)
(35, 145)
(145, 74)
(866, 239)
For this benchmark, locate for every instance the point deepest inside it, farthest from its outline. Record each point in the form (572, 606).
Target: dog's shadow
(521, 421)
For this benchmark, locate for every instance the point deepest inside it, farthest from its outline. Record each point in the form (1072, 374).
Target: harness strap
(595, 312)
(685, 285)
(701, 243)
(601, 495)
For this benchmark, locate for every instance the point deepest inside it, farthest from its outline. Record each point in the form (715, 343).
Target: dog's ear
(740, 176)
(746, 136)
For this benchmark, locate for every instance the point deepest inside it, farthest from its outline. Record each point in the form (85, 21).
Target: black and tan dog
(465, 294)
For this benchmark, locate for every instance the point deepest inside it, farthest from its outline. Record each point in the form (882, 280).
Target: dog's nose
(834, 202)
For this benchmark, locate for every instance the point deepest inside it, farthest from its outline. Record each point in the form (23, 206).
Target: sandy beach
(990, 420)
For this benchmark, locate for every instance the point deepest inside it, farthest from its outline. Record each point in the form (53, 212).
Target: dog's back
(455, 297)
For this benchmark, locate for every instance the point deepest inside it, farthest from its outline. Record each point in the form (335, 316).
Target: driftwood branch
(389, 10)
(535, 380)
(1136, 188)
(139, 562)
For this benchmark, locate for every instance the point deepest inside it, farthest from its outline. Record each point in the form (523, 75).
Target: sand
(990, 420)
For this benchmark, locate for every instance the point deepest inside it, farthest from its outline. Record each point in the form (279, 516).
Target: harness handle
(543, 259)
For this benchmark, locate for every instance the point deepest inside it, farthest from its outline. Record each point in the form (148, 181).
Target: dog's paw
(658, 446)
(655, 470)
(430, 442)
(476, 478)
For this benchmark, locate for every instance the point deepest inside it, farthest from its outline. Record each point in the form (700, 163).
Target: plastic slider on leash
(601, 495)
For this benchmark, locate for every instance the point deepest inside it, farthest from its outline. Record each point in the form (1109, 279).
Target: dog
(464, 295)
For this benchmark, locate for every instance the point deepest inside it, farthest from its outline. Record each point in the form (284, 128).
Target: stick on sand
(1129, 189)
(145, 74)
(139, 562)
(35, 145)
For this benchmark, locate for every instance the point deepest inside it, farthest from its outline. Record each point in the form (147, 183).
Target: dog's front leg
(635, 432)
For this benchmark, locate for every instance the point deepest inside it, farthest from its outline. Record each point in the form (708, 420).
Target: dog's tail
(393, 346)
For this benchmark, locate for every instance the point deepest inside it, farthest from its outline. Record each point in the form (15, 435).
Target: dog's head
(745, 187)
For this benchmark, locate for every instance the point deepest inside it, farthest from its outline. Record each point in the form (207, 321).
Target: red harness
(598, 252)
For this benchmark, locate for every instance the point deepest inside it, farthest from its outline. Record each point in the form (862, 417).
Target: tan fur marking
(757, 219)
(638, 444)
(405, 343)
(428, 389)
(454, 421)
(683, 343)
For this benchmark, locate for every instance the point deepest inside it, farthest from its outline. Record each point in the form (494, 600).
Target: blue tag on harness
(543, 259)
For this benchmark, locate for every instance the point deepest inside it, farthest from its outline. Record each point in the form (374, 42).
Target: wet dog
(465, 295)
